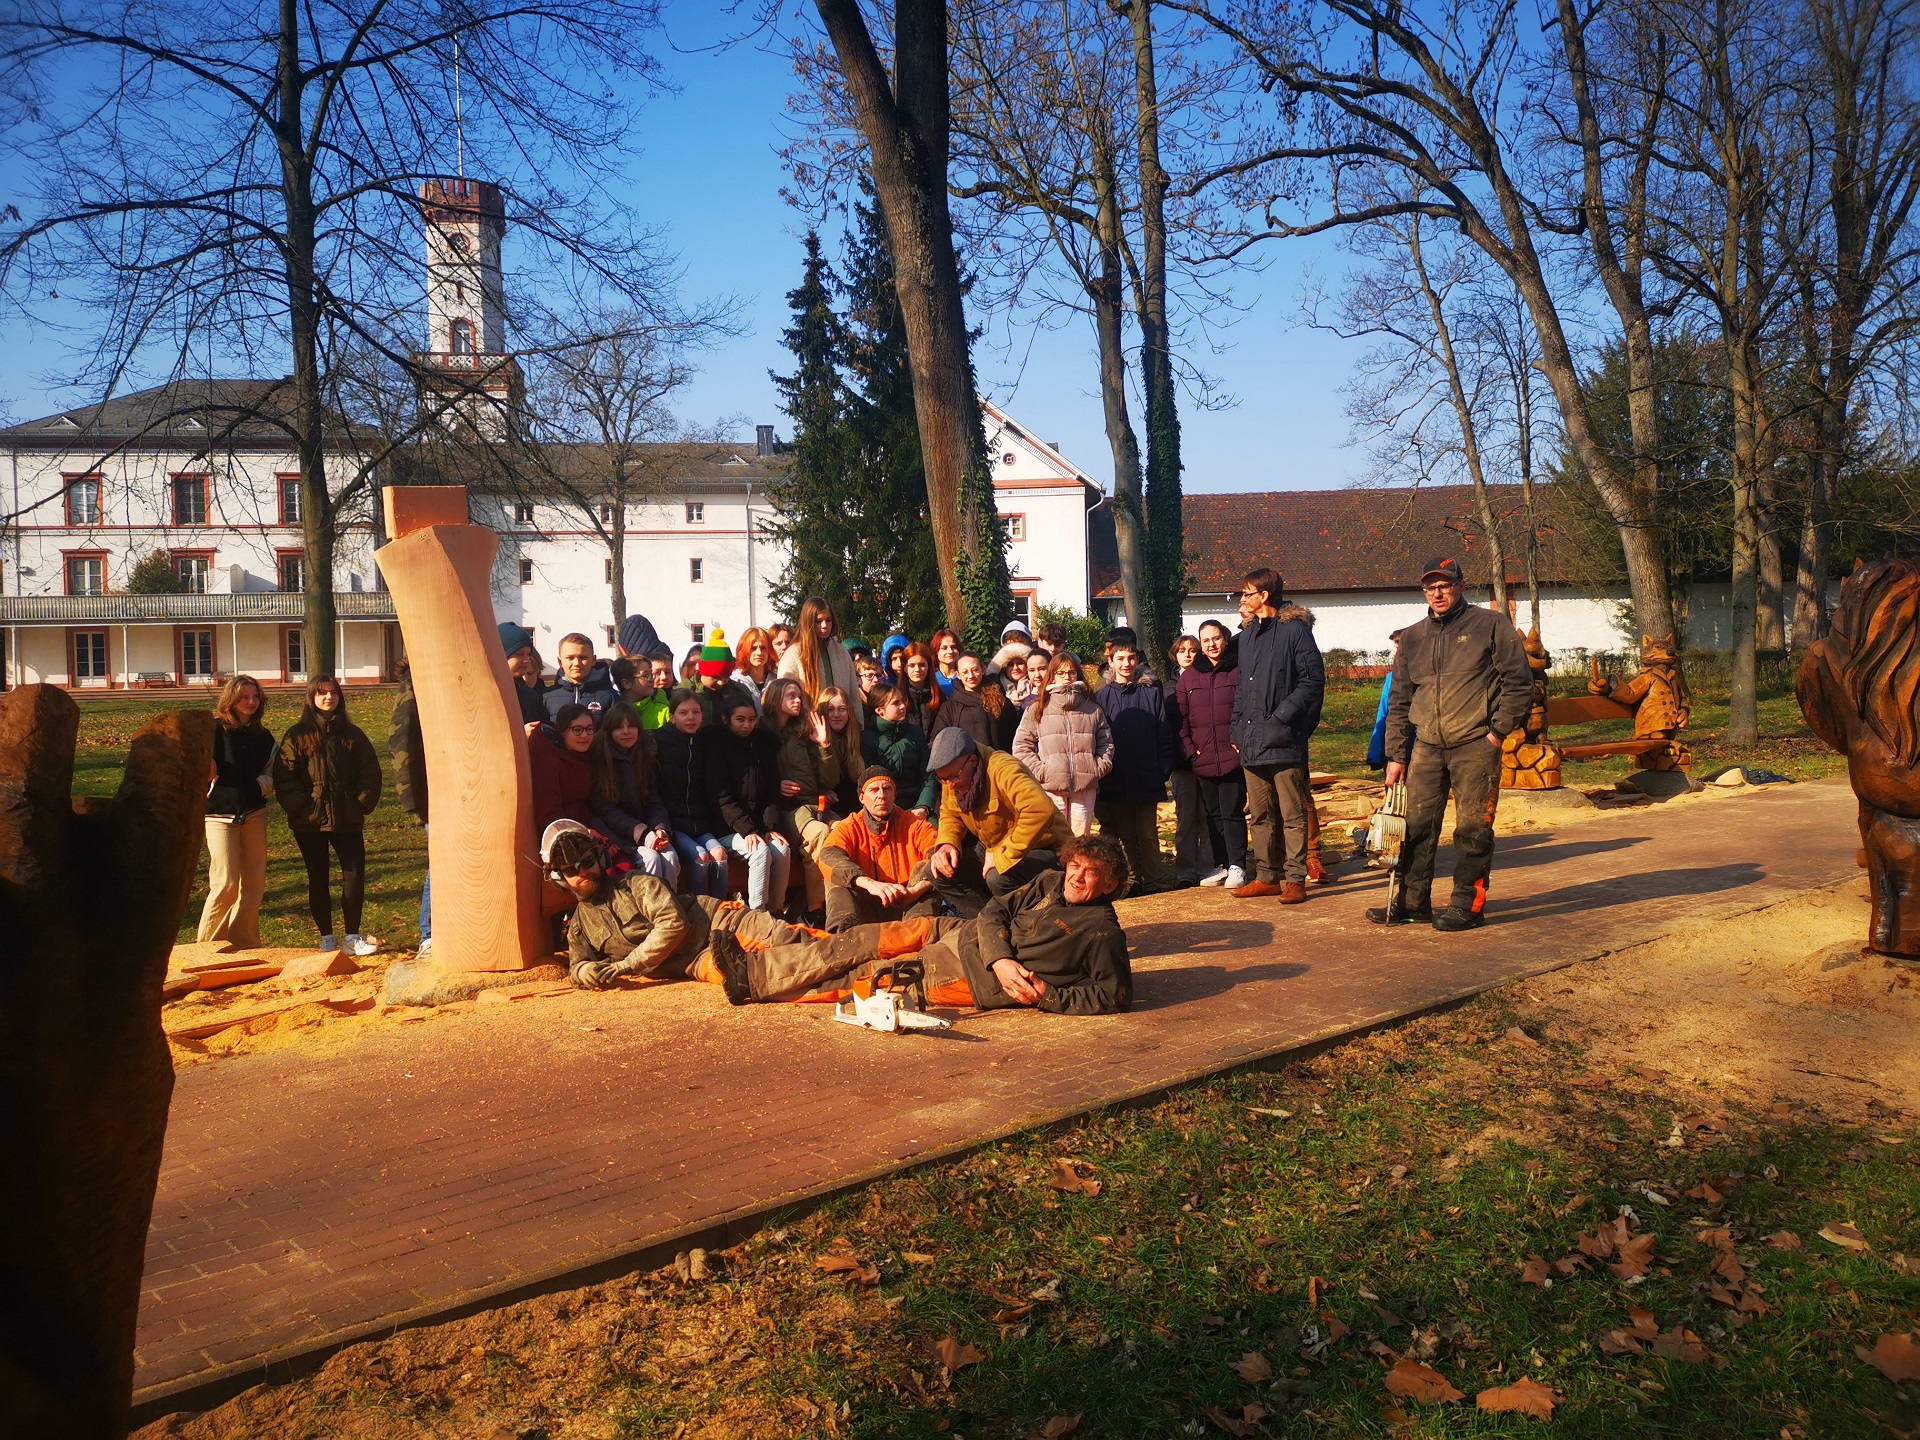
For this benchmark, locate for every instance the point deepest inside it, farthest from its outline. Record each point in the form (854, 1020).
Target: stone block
(1663, 784)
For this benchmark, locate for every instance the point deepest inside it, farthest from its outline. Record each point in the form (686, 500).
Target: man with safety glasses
(1460, 685)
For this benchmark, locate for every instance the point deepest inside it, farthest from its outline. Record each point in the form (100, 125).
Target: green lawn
(396, 848)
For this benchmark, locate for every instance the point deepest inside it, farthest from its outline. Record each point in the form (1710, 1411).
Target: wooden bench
(1585, 709)
(155, 679)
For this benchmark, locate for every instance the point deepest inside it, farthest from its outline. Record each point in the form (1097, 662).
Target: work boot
(1400, 913)
(1254, 890)
(1455, 917)
(731, 958)
(1293, 893)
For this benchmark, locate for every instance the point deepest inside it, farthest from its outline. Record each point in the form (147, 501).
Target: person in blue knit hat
(523, 664)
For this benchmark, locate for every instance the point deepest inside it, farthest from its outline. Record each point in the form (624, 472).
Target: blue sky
(709, 172)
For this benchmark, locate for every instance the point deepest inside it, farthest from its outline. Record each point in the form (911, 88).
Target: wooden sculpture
(1860, 690)
(91, 895)
(480, 849)
(1528, 759)
(1659, 700)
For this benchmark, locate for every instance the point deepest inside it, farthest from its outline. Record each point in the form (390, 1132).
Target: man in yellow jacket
(998, 829)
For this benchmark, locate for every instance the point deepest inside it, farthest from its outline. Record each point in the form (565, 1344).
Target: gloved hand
(594, 974)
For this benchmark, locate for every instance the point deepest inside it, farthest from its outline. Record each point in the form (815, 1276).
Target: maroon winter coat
(1204, 697)
(562, 784)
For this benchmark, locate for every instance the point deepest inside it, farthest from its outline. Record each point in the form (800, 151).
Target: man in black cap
(1460, 684)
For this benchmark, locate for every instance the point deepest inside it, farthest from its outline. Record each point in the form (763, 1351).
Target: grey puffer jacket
(1070, 748)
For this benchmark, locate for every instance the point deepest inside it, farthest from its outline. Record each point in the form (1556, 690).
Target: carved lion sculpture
(1860, 691)
(91, 894)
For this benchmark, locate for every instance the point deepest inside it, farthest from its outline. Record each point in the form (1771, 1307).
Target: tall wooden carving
(1659, 700)
(1859, 688)
(480, 847)
(91, 895)
(1528, 759)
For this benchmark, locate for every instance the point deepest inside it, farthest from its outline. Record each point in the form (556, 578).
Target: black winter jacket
(617, 816)
(968, 710)
(1276, 706)
(241, 755)
(596, 692)
(743, 781)
(683, 780)
(326, 774)
(1142, 743)
(1456, 678)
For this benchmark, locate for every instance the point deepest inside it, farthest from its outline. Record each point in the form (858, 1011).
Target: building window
(696, 513)
(193, 571)
(196, 654)
(611, 637)
(86, 574)
(83, 502)
(608, 566)
(189, 499)
(1023, 610)
(695, 569)
(90, 655)
(296, 654)
(1015, 526)
(462, 337)
(606, 512)
(290, 511)
(526, 572)
(292, 565)
(699, 633)
(523, 512)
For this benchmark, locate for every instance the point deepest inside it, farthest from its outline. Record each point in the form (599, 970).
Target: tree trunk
(1772, 623)
(1523, 437)
(906, 136)
(617, 553)
(1109, 301)
(1816, 545)
(1463, 413)
(1166, 538)
(319, 622)
(1743, 718)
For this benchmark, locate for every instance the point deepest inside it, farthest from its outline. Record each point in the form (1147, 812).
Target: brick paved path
(306, 1200)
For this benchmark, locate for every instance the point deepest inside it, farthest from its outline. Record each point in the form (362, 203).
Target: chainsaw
(1386, 833)
(893, 1000)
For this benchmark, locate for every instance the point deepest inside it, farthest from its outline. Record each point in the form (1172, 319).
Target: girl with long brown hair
(922, 688)
(237, 816)
(626, 803)
(817, 659)
(327, 777)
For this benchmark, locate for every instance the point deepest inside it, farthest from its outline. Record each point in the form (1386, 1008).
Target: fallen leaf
(1643, 1323)
(1253, 1368)
(1894, 1356)
(1060, 1425)
(1785, 1240)
(1421, 1384)
(1845, 1236)
(845, 1262)
(1620, 1342)
(1599, 1246)
(1228, 1422)
(1534, 1272)
(1729, 1269)
(1572, 1205)
(1904, 1266)
(1011, 1314)
(1681, 1344)
(915, 1257)
(1636, 1256)
(1271, 1114)
(1752, 1304)
(1067, 1177)
(1718, 1292)
(1336, 1327)
(1316, 1291)
(1721, 1238)
(1706, 1192)
(1647, 1072)
(1048, 1293)
(1701, 1122)
(1520, 1037)
(1525, 1397)
(955, 1355)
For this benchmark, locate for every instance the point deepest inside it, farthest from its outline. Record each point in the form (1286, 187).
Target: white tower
(476, 384)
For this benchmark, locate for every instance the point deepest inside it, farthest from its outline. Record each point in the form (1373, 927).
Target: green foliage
(1086, 634)
(1165, 541)
(853, 501)
(154, 575)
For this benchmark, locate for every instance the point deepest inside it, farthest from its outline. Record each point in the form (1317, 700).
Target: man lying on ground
(876, 859)
(1054, 945)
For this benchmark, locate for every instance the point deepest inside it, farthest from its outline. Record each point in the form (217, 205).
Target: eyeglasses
(579, 729)
(1250, 594)
(1433, 585)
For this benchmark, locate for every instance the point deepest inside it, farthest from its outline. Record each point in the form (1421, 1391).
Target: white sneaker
(357, 945)
(1218, 877)
(328, 944)
(426, 947)
(1236, 877)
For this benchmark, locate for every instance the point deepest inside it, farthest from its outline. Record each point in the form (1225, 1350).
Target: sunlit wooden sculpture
(1528, 759)
(1658, 698)
(480, 848)
(1859, 688)
(91, 895)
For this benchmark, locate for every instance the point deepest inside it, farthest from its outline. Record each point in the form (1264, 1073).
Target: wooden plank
(1579, 709)
(1610, 747)
(243, 975)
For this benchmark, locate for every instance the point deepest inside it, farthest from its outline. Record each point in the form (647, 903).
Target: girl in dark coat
(922, 690)
(979, 706)
(327, 778)
(562, 774)
(626, 802)
(743, 786)
(683, 745)
(237, 817)
(1205, 696)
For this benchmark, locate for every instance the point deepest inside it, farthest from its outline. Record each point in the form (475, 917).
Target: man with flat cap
(1460, 684)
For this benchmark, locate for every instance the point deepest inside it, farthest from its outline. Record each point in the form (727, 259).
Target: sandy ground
(1772, 1012)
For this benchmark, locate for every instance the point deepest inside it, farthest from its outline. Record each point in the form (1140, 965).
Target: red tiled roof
(1322, 540)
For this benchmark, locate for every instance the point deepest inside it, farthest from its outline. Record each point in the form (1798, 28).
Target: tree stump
(91, 897)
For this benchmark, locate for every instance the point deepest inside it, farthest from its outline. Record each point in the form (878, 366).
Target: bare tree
(244, 179)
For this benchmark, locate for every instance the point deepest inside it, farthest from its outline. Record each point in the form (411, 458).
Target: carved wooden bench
(1585, 709)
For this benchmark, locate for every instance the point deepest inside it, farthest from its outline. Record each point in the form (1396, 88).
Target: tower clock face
(458, 242)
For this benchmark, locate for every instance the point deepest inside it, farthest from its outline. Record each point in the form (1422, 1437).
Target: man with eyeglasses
(1460, 685)
(1276, 708)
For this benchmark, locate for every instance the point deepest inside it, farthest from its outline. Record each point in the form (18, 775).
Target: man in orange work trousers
(1460, 684)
